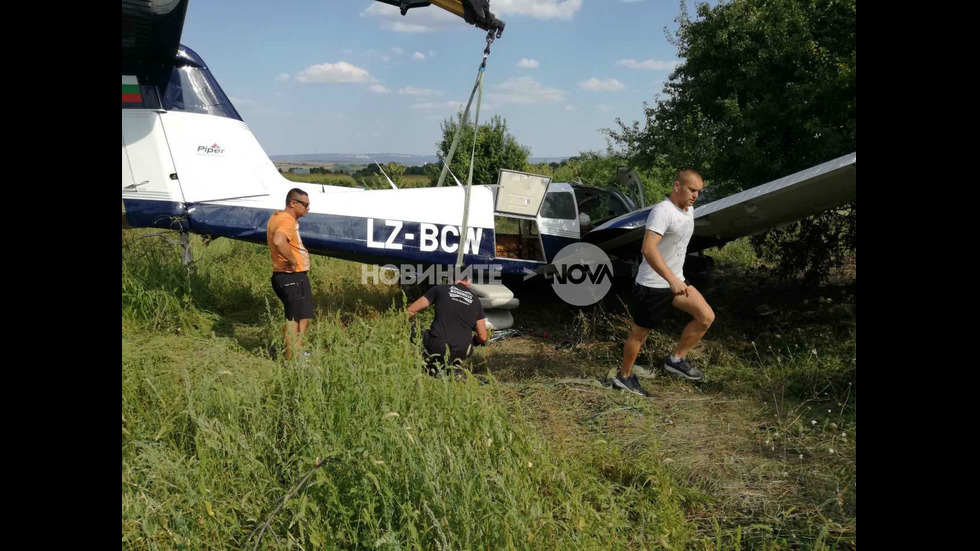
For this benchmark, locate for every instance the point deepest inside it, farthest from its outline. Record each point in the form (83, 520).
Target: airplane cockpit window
(599, 204)
(558, 204)
(194, 90)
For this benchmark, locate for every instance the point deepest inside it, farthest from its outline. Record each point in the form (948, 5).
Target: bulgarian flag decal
(131, 90)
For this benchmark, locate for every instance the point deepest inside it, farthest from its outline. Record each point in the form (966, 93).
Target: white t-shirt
(676, 226)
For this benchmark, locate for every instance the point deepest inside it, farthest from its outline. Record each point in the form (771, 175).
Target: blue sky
(354, 76)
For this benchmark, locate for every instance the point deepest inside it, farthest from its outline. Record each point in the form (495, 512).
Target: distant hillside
(359, 158)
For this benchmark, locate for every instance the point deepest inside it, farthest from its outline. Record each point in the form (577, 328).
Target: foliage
(371, 176)
(809, 248)
(600, 170)
(768, 88)
(496, 148)
(337, 178)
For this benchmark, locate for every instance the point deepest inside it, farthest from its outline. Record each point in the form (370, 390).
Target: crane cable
(463, 119)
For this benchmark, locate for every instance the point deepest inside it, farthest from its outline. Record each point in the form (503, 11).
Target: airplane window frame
(188, 81)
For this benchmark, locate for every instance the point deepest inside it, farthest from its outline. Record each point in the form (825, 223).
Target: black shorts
(295, 293)
(648, 304)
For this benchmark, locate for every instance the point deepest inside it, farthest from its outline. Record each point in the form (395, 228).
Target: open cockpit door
(628, 179)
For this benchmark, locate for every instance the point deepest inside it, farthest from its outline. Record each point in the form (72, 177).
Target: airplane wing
(749, 212)
(151, 31)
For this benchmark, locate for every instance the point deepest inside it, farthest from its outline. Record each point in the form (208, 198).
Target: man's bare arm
(282, 246)
(421, 304)
(481, 331)
(656, 261)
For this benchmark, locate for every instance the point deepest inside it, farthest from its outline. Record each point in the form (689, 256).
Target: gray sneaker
(683, 368)
(629, 384)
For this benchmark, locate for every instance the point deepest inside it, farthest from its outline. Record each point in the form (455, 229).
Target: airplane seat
(584, 223)
(508, 246)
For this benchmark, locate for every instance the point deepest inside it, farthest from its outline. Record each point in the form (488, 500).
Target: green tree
(767, 88)
(597, 169)
(372, 178)
(496, 148)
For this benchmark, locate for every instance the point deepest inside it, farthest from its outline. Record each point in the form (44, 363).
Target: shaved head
(689, 176)
(687, 187)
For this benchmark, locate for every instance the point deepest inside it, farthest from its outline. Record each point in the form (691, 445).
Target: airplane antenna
(393, 186)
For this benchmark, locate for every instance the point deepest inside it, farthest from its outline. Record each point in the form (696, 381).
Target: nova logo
(583, 274)
(214, 149)
(578, 273)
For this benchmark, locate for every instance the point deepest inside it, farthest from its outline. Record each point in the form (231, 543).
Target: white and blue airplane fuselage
(189, 162)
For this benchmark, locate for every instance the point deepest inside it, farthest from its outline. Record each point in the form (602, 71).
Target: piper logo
(213, 150)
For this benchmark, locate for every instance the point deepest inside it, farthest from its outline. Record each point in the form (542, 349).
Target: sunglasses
(305, 204)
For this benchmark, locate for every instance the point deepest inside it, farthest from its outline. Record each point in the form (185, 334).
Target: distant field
(532, 451)
(408, 181)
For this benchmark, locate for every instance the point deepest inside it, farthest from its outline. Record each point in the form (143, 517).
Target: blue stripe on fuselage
(555, 243)
(328, 234)
(141, 213)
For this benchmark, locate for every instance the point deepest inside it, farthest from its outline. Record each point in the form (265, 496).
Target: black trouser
(436, 352)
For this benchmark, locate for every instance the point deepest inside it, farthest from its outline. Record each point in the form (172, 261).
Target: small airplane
(190, 163)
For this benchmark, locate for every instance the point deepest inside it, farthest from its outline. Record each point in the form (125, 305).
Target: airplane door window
(559, 205)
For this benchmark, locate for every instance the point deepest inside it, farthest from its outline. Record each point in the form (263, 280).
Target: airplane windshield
(194, 90)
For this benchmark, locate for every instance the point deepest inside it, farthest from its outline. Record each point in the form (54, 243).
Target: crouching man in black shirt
(450, 340)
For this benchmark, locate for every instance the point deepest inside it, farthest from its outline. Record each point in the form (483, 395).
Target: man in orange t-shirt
(290, 262)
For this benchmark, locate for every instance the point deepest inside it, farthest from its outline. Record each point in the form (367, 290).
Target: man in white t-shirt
(660, 283)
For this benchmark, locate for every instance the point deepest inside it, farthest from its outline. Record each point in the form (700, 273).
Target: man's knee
(705, 317)
(639, 334)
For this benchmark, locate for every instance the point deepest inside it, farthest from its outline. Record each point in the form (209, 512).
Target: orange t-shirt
(282, 221)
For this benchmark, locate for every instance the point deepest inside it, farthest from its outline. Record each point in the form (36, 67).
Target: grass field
(530, 452)
(407, 180)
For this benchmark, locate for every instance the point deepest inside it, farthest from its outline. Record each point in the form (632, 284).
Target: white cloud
(538, 9)
(648, 64)
(413, 91)
(526, 63)
(596, 85)
(282, 77)
(378, 89)
(569, 108)
(603, 107)
(340, 72)
(525, 90)
(418, 56)
(398, 51)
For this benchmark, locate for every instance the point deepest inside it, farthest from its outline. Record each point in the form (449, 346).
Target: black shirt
(457, 311)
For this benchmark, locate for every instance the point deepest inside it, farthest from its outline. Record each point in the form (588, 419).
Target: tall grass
(214, 435)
